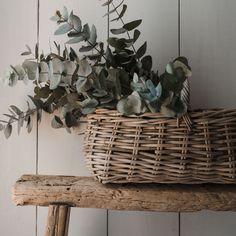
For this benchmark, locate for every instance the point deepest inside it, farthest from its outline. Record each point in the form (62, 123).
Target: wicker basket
(150, 148)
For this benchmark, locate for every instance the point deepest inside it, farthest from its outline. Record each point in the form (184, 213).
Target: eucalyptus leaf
(76, 23)
(135, 78)
(55, 18)
(29, 125)
(151, 87)
(37, 102)
(159, 90)
(71, 120)
(75, 33)
(147, 63)
(75, 40)
(8, 131)
(20, 123)
(171, 83)
(141, 51)
(83, 84)
(1, 127)
(99, 93)
(43, 92)
(130, 105)
(187, 70)
(169, 68)
(57, 67)
(86, 48)
(69, 70)
(107, 99)
(65, 13)
(57, 123)
(167, 112)
(132, 25)
(114, 78)
(16, 109)
(20, 71)
(93, 36)
(31, 69)
(118, 31)
(88, 110)
(86, 32)
(184, 60)
(137, 33)
(12, 79)
(89, 103)
(25, 53)
(85, 68)
(44, 72)
(63, 29)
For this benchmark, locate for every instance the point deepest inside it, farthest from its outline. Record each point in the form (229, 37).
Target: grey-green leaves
(130, 105)
(18, 116)
(85, 68)
(132, 25)
(8, 131)
(75, 22)
(75, 82)
(57, 122)
(56, 69)
(63, 29)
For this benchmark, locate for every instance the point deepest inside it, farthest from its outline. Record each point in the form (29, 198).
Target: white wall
(208, 36)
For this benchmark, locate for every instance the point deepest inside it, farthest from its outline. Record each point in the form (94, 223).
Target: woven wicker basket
(151, 148)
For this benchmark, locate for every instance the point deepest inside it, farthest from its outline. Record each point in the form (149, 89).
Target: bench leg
(58, 220)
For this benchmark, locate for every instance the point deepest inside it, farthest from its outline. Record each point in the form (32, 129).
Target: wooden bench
(60, 193)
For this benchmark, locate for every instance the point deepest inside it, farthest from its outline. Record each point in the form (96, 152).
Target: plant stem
(121, 19)
(108, 24)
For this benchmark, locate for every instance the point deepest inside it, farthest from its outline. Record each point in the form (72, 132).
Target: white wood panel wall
(208, 37)
(18, 21)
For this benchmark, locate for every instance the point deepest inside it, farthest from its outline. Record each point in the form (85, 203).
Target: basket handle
(185, 95)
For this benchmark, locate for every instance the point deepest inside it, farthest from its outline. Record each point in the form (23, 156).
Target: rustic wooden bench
(60, 193)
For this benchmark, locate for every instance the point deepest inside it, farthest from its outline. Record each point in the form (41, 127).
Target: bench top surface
(85, 192)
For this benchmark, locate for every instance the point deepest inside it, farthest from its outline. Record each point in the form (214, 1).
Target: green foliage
(118, 77)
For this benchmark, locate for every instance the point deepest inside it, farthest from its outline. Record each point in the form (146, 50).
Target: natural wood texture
(58, 220)
(87, 193)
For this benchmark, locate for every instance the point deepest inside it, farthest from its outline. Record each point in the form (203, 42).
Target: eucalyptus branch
(121, 19)
(27, 113)
(94, 46)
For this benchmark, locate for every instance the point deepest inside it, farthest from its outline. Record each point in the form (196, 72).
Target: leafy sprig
(119, 77)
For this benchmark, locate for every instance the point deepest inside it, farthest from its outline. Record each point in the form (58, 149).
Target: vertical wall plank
(208, 38)
(142, 223)
(60, 152)
(17, 155)
(160, 29)
(208, 223)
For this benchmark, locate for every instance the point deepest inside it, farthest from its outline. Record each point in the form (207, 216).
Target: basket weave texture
(151, 148)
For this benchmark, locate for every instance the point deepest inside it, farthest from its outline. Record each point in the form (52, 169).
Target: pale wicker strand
(165, 153)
